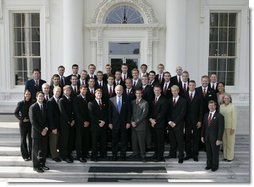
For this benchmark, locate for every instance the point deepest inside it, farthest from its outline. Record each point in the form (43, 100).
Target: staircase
(14, 170)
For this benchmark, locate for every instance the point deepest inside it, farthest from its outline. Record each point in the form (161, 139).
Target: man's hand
(110, 126)
(54, 131)
(102, 123)
(133, 124)
(128, 125)
(198, 125)
(203, 139)
(86, 124)
(72, 123)
(218, 142)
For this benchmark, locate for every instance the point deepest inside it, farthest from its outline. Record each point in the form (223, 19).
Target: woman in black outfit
(21, 113)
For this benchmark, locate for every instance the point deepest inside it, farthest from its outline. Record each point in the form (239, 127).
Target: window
(222, 46)
(124, 15)
(26, 42)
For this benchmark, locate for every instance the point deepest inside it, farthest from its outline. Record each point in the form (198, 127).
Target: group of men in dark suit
(152, 107)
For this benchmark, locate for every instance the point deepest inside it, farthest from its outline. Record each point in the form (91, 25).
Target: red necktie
(184, 87)
(100, 104)
(165, 89)
(191, 97)
(110, 91)
(174, 102)
(210, 119)
(134, 84)
(204, 92)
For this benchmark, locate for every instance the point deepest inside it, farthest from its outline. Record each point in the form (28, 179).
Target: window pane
(18, 49)
(232, 34)
(212, 66)
(36, 34)
(213, 49)
(35, 63)
(214, 19)
(17, 20)
(230, 78)
(223, 49)
(232, 19)
(214, 34)
(221, 76)
(17, 34)
(223, 34)
(230, 64)
(35, 17)
(223, 19)
(231, 49)
(221, 64)
(35, 49)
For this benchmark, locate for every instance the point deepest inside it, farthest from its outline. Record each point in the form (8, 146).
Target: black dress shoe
(195, 159)
(45, 168)
(225, 159)
(143, 158)
(57, 159)
(180, 161)
(159, 159)
(229, 160)
(214, 169)
(154, 156)
(67, 160)
(207, 168)
(26, 159)
(39, 170)
(187, 158)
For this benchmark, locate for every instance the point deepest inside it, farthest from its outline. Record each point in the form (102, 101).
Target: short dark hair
(157, 86)
(152, 72)
(192, 81)
(143, 65)
(55, 75)
(82, 86)
(212, 102)
(61, 66)
(74, 65)
(39, 92)
(36, 70)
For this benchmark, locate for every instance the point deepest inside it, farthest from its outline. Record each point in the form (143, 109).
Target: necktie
(137, 101)
(155, 101)
(191, 97)
(165, 89)
(83, 82)
(62, 81)
(178, 80)
(100, 104)
(213, 86)
(37, 82)
(210, 119)
(184, 87)
(174, 102)
(75, 89)
(134, 83)
(128, 92)
(160, 78)
(119, 105)
(92, 92)
(204, 92)
(41, 107)
(110, 91)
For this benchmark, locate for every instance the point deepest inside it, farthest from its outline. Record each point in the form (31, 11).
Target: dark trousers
(25, 138)
(53, 144)
(39, 151)
(212, 153)
(66, 141)
(82, 141)
(176, 141)
(138, 142)
(192, 138)
(122, 135)
(99, 136)
(158, 142)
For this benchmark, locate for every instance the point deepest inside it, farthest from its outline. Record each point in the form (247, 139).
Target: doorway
(124, 52)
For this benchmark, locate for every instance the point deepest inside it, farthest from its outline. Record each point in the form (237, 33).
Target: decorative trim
(141, 5)
(1, 9)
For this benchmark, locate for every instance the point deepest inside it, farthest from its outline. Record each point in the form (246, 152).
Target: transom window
(222, 46)
(124, 15)
(26, 42)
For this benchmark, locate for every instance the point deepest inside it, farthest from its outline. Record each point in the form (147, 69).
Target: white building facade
(202, 36)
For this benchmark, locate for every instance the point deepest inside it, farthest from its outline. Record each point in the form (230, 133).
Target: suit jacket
(138, 84)
(38, 119)
(215, 130)
(105, 77)
(105, 93)
(97, 84)
(168, 93)
(140, 114)
(22, 109)
(177, 113)
(66, 111)
(53, 114)
(51, 88)
(74, 94)
(212, 90)
(88, 77)
(181, 89)
(89, 95)
(80, 110)
(119, 120)
(194, 111)
(148, 94)
(157, 80)
(31, 86)
(96, 113)
(121, 83)
(209, 96)
(131, 95)
(64, 82)
(153, 83)
(159, 111)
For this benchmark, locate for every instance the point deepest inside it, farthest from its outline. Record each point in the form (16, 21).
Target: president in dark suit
(38, 118)
(119, 122)
(212, 132)
(139, 122)
(175, 118)
(35, 85)
(158, 123)
(98, 113)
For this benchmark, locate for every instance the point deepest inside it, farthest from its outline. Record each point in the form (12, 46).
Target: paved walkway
(13, 169)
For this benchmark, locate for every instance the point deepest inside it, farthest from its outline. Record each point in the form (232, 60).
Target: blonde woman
(228, 110)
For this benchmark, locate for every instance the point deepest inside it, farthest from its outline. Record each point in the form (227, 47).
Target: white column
(175, 34)
(72, 34)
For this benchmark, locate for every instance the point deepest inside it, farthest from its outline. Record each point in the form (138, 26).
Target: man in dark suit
(108, 72)
(159, 77)
(139, 122)
(98, 113)
(55, 80)
(38, 118)
(129, 92)
(80, 106)
(54, 123)
(193, 121)
(100, 82)
(125, 74)
(67, 125)
(118, 79)
(91, 89)
(61, 70)
(82, 80)
(143, 71)
(212, 132)
(45, 90)
(183, 86)
(175, 118)
(166, 87)
(74, 86)
(119, 122)
(35, 85)
(152, 80)
(158, 121)
(177, 79)
(75, 69)
(136, 82)
(213, 85)
(108, 89)
(91, 72)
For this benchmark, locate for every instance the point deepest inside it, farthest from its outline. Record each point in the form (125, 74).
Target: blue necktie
(119, 105)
